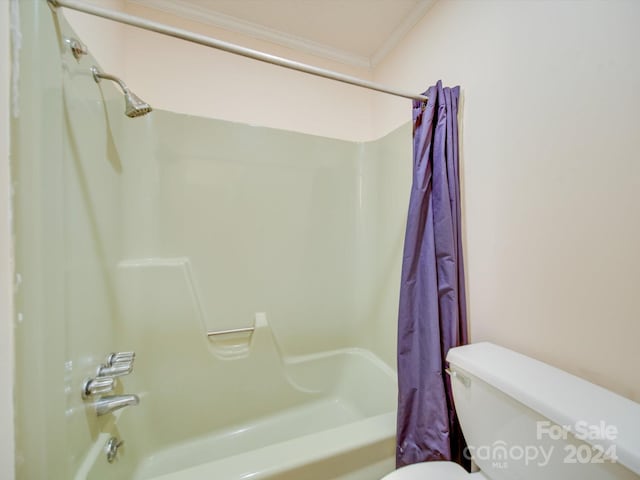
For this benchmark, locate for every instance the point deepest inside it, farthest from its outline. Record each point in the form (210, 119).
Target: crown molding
(228, 22)
(401, 30)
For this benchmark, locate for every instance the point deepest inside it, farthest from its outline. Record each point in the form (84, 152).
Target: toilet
(523, 419)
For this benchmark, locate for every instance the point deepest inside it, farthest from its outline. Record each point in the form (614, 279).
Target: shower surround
(154, 235)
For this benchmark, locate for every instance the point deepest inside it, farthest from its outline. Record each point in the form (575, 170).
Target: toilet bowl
(434, 470)
(525, 420)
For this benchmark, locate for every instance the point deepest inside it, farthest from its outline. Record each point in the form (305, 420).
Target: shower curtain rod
(227, 47)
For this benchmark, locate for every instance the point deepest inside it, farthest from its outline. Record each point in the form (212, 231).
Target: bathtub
(236, 407)
(344, 433)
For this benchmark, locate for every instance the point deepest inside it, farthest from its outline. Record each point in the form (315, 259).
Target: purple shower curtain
(432, 315)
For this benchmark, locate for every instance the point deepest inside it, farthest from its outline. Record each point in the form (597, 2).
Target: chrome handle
(117, 364)
(120, 357)
(97, 386)
(116, 370)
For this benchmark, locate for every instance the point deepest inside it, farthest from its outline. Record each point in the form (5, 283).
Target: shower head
(133, 105)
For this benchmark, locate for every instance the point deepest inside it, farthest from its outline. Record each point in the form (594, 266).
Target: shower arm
(134, 106)
(98, 76)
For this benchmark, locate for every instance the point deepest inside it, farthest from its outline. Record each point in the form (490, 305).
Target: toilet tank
(523, 419)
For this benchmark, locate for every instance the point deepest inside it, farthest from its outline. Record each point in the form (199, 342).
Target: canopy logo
(582, 442)
(500, 454)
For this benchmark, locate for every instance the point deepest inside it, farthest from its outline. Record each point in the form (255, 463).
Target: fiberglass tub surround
(184, 227)
(265, 254)
(249, 414)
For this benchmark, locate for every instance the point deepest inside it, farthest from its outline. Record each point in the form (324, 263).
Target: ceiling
(355, 32)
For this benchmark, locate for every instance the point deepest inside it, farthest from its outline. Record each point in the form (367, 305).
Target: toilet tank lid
(590, 411)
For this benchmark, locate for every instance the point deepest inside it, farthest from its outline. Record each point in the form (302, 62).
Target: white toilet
(523, 419)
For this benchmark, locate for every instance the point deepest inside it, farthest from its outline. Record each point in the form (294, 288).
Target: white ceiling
(355, 32)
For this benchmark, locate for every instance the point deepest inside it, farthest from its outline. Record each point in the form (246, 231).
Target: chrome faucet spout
(111, 403)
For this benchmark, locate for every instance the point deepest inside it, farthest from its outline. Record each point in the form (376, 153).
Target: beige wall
(6, 260)
(551, 172)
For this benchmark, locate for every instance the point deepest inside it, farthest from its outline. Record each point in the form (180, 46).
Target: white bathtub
(346, 433)
(349, 432)
(235, 406)
(295, 444)
(248, 412)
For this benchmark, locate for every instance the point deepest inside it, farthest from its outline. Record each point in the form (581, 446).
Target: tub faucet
(111, 403)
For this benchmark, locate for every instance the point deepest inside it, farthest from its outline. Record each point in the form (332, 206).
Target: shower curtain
(432, 313)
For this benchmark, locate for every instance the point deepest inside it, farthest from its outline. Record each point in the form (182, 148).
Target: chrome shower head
(133, 105)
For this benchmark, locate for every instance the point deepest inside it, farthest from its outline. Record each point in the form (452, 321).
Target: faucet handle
(120, 357)
(97, 386)
(117, 364)
(115, 370)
